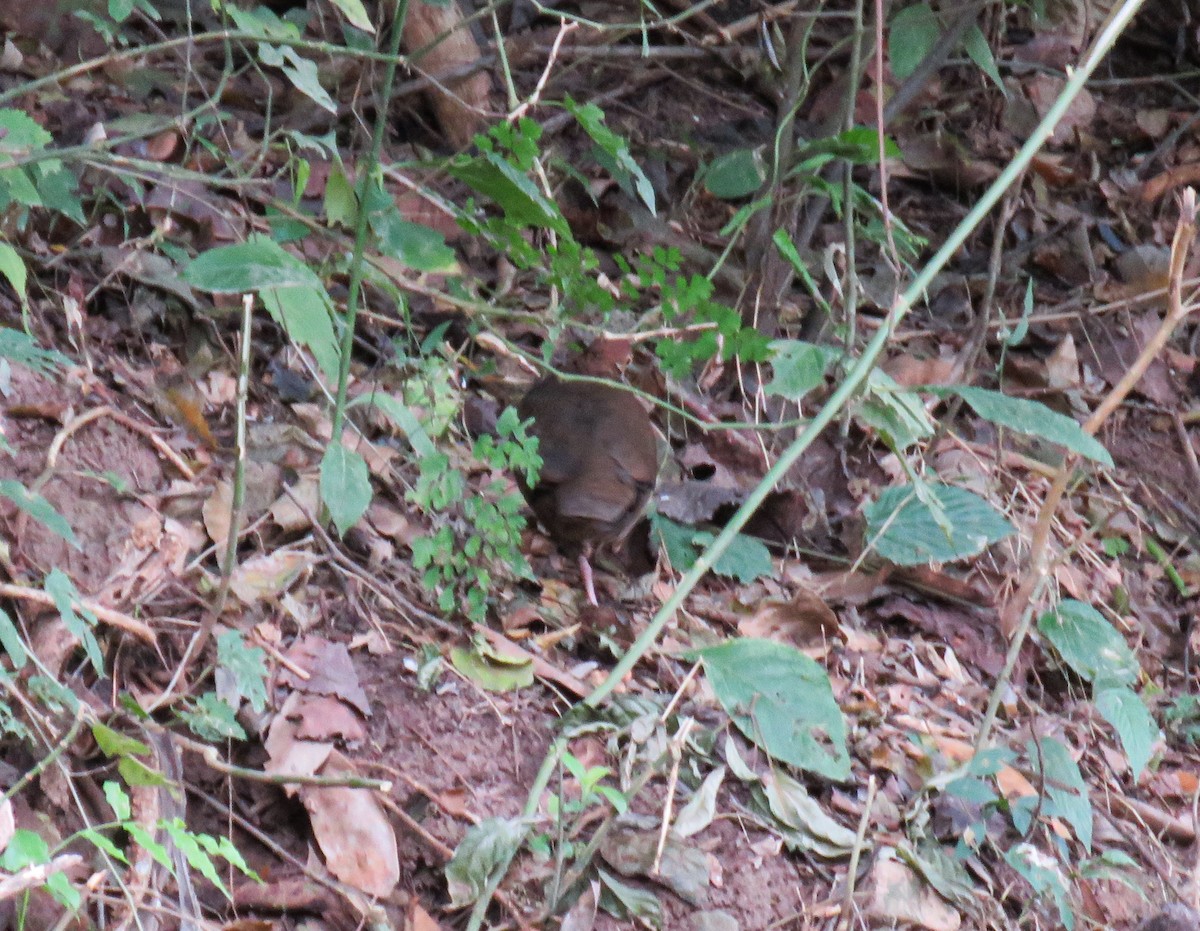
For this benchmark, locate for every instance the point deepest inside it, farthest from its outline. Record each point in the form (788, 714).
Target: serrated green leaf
(1030, 418)
(246, 666)
(1135, 726)
(903, 529)
(799, 367)
(1089, 644)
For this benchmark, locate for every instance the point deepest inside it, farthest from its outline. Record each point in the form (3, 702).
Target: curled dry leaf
(270, 575)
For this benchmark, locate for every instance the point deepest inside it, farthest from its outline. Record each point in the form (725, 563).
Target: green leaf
(630, 903)
(66, 596)
(39, 509)
(345, 486)
(523, 204)
(137, 773)
(306, 314)
(620, 163)
(1089, 644)
(896, 413)
(25, 848)
(904, 529)
(103, 844)
(1066, 792)
(981, 53)
(810, 828)
(417, 246)
(405, 418)
(255, 265)
(484, 849)
(146, 841)
(212, 718)
(745, 559)
(1127, 713)
(490, 669)
(735, 174)
(21, 348)
(13, 642)
(118, 799)
(1031, 418)
(912, 35)
(114, 743)
(341, 206)
(246, 666)
(799, 367)
(780, 699)
(196, 857)
(12, 267)
(355, 13)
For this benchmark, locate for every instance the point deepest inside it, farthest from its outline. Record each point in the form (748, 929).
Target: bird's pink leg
(585, 568)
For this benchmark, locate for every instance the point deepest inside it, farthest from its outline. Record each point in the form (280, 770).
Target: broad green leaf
(746, 559)
(341, 206)
(39, 509)
(483, 849)
(1066, 792)
(799, 367)
(780, 699)
(736, 174)
(912, 34)
(490, 669)
(1135, 726)
(495, 177)
(1089, 644)
(903, 529)
(1031, 418)
(417, 246)
(306, 314)
(627, 902)
(345, 486)
(254, 265)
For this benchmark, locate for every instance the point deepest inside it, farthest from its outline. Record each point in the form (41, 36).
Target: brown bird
(599, 465)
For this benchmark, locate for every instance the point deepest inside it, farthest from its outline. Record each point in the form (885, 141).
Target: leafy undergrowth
(905, 636)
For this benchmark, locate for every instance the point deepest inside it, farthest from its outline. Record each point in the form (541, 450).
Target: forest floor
(1051, 300)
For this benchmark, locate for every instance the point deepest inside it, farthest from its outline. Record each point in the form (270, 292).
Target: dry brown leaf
(330, 669)
(323, 718)
(269, 575)
(353, 831)
(898, 896)
(806, 622)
